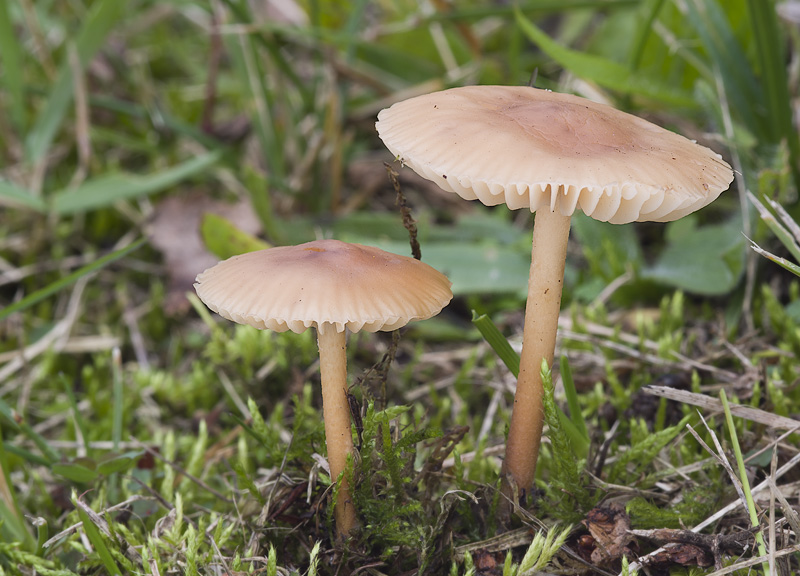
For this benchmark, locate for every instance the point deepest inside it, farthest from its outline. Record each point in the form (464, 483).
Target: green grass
(142, 434)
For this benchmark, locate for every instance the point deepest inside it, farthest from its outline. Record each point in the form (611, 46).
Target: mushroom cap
(326, 284)
(532, 148)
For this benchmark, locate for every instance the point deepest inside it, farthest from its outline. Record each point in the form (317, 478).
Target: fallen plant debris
(175, 231)
(681, 554)
(714, 405)
(687, 548)
(609, 537)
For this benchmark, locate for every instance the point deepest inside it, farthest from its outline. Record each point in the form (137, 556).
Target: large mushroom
(331, 286)
(552, 154)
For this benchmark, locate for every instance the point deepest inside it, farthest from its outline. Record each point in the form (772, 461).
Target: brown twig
(408, 221)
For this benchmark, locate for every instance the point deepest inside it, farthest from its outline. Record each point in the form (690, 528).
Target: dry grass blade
(788, 511)
(119, 506)
(761, 486)
(596, 333)
(617, 347)
(735, 567)
(772, 525)
(710, 404)
(566, 325)
(13, 275)
(785, 217)
(82, 122)
(513, 539)
(720, 457)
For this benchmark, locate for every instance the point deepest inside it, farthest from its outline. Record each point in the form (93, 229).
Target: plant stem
(548, 256)
(748, 495)
(336, 413)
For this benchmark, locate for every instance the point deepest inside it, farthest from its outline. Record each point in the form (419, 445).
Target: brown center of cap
(530, 148)
(557, 128)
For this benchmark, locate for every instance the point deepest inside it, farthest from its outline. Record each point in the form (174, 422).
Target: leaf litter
(175, 231)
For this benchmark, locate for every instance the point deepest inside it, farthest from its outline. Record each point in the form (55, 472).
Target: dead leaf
(175, 231)
(687, 548)
(682, 555)
(608, 526)
(486, 563)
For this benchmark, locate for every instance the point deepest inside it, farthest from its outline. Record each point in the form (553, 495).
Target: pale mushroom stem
(336, 413)
(548, 256)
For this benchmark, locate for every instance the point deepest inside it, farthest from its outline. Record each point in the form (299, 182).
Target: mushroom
(332, 286)
(553, 154)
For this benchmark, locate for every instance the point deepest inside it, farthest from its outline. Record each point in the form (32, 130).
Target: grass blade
(118, 398)
(12, 528)
(538, 7)
(117, 413)
(575, 414)
(242, 12)
(792, 226)
(354, 24)
(769, 49)
(77, 417)
(11, 58)
(497, 341)
(603, 71)
(782, 262)
(43, 293)
(781, 232)
(751, 506)
(15, 196)
(652, 8)
(101, 20)
(23, 427)
(26, 455)
(94, 536)
(742, 89)
(104, 190)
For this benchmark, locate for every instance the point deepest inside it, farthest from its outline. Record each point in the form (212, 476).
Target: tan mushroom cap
(532, 148)
(324, 284)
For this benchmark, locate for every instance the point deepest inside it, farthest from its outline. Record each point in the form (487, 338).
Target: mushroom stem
(548, 256)
(336, 413)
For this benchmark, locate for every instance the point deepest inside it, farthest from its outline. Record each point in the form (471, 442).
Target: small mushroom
(331, 286)
(552, 154)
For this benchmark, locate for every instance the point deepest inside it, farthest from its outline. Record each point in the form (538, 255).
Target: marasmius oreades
(553, 154)
(332, 286)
